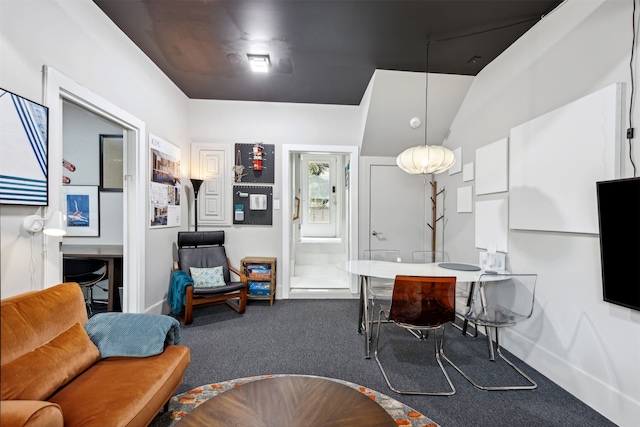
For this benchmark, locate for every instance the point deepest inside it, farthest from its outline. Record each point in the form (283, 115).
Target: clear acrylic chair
(424, 257)
(420, 304)
(501, 301)
(379, 289)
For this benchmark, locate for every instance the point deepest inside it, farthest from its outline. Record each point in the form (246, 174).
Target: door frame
(56, 88)
(287, 206)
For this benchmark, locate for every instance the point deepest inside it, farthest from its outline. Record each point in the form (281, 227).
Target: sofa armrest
(31, 413)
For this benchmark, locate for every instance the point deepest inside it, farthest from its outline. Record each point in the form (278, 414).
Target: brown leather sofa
(53, 374)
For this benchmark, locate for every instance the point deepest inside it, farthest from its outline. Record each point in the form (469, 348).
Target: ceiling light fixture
(259, 63)
(425, 159)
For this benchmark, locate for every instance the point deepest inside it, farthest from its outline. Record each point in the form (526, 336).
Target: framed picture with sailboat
(82, 208)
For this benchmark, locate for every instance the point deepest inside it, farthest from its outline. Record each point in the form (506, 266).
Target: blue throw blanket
(178, 290)
(132, 334)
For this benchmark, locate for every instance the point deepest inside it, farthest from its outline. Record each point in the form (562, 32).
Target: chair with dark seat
(462, 289)
(86, 272)
(501, 301)
(203, 252)
(420, 304)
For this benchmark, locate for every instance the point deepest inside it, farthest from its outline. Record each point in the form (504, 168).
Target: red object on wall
(257, 157)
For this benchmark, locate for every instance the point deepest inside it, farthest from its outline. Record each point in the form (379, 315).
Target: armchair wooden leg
(188, 308)
(241, 305)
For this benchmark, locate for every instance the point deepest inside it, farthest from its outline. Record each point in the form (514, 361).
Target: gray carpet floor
(319, 337)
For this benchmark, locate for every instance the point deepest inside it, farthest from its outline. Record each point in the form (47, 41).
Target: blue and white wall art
(23, 151)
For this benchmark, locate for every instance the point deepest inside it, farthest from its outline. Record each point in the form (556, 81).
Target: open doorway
(319, 221)
(93, 153)
(58, 89)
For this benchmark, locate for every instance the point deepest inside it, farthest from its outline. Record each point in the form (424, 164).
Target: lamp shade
(55, 225)
(425, 159)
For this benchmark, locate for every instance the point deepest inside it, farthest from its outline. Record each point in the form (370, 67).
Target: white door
(319, 199)
(397, 210)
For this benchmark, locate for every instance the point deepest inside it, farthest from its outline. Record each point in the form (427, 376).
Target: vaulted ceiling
(321, 51)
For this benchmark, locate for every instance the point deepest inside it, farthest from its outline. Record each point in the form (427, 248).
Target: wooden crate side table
(264, 276)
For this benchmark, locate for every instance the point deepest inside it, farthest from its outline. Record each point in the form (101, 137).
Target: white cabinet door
(210, 163)
(397, 210)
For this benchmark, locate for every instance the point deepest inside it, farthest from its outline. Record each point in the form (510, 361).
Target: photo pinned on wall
(164, 186)
(24, 146)
(82, 210)
(111, 162)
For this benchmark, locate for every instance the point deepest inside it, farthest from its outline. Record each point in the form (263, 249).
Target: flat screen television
(619, 221)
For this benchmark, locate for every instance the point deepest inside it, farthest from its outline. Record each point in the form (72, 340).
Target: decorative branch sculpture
(434, 215)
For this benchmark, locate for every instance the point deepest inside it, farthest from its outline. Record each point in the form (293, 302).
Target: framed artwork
(297, 208)
(457, 166)
(164, 185)
(111, 158)
(492, 168)
(82, 209)
(24, 128)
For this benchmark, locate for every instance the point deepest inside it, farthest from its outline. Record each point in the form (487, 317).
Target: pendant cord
(426, 95)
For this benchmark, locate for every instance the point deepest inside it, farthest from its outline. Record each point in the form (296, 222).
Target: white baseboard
(602, 397)
(161, 307)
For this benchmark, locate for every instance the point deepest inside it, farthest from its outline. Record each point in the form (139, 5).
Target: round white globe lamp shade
(425, 159)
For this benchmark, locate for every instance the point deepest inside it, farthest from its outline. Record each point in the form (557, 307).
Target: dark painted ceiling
(322, 51)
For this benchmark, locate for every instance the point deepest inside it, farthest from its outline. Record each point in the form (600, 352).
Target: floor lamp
(196, 187)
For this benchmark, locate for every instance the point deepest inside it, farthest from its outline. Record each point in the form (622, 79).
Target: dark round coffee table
(289, 401)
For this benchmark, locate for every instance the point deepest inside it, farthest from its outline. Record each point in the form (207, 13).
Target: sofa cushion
(36, 375)
(125, 391)
(32, 319)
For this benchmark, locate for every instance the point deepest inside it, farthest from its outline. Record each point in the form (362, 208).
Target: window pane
(319, 193)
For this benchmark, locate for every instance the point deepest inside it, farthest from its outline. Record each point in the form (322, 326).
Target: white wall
(79, 41)
(393, 98)
(271, 123)
(589, 347)
(81, 146)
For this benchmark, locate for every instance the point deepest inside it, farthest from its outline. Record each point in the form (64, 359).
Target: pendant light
(425, 159)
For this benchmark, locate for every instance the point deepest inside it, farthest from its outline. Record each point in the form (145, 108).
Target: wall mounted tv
(619, 220)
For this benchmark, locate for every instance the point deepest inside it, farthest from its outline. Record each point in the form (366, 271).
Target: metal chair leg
(532, 384)
(438, 344)
(464, 328)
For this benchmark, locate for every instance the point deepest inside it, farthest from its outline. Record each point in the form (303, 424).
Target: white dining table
(367, 269)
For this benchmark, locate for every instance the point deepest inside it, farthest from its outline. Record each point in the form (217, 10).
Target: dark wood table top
(289, 401)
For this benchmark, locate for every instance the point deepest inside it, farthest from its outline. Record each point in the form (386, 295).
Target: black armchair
(205, 249)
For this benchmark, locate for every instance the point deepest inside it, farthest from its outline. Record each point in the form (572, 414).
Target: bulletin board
(556, 160)
(243, 156)
(261, 212)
